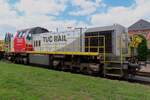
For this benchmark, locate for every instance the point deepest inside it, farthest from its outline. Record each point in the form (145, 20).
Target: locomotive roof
(34, 30)
(104, 28)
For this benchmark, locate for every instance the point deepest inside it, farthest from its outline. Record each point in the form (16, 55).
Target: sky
(52, 14)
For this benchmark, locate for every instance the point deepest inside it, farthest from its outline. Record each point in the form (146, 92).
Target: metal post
(88, 44)
(121, 50)
(121, 55)
(80, 29)
(104, 50)
(80, 39)
(104, 55)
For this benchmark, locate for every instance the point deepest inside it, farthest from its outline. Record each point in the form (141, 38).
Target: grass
(19, 82)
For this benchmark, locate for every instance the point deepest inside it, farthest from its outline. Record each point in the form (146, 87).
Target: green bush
(142, 49)
(148, 51)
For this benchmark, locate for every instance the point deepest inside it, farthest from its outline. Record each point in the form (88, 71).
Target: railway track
(146, 74)
(141, 79)
(143, 76)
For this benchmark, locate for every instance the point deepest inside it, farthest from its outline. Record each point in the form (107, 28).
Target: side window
(34, 43)
(20, 34)
(29, 37)
(23, 34)
(39, 43)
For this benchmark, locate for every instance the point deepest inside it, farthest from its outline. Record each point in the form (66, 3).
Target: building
(141, 27)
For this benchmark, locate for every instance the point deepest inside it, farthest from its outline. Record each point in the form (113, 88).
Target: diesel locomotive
(102, 50)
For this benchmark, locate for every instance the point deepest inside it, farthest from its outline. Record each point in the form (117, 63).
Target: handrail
(98, 46)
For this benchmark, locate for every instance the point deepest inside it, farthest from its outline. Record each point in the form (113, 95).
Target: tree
(142, 49)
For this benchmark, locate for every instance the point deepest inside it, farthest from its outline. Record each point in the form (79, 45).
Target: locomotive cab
(23, 39)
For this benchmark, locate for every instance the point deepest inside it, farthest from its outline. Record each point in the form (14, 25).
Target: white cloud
(85, 7)
(5, 10)
(38, 7)
(123, 15)
(6, 14)
(36, 10)
(35, 15)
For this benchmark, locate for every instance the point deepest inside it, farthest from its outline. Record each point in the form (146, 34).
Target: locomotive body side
(19, 44)
(67, 41)
(95, 50)
(121, 40)
(113, 35)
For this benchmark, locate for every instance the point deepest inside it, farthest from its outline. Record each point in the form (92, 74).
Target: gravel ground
(145, 68)
(142, 79)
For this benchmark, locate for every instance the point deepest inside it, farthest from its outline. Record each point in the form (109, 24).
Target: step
(117, 68)
(115, 75)
(117, 62)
